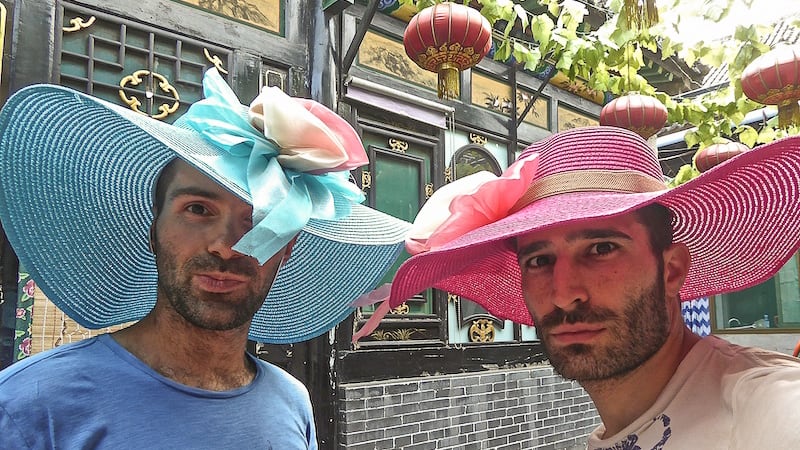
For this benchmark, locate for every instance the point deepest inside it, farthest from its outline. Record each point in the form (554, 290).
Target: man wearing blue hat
(254, 232)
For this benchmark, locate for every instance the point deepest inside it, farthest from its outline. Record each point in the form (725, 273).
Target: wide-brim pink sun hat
(740, 220)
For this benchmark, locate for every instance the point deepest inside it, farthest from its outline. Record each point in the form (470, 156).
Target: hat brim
(75, 204)
(740, 222)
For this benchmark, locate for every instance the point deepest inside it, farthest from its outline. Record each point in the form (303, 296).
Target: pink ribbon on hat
(452, 211)
(469, 203)
(311, 137)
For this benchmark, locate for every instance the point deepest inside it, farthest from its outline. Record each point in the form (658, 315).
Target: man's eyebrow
(597, 233)
(591, 233)
(193, 191)
(532, 247)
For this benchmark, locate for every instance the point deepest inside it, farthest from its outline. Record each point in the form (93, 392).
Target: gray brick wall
(528, 408)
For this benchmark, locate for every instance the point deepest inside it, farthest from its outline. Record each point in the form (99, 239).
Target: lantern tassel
(788, 113)
(449, 81)
(640, 14)
(651, 13)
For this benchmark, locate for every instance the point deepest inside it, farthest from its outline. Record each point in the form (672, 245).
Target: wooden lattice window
(153, 71)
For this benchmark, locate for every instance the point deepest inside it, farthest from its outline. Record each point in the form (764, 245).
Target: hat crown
(598, 148)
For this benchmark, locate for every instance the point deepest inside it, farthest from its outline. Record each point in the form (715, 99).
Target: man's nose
(568, 286)
(225, 234)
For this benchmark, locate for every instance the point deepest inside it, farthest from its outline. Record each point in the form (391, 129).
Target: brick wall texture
(530, 408)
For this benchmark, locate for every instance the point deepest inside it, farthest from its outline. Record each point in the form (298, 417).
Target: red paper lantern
(447, 38)
(774, 79)
(642, 114)
(714, 154)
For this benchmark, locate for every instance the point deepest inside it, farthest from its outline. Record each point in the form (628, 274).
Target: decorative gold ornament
(78, 24)
(401, 309)
(453, 298)
(366, 180)
(215, 60)
(448, 175)
(478, 139)
(402, 334)
(135, 79)
(482, 330)
(398, 145)
(428, 190)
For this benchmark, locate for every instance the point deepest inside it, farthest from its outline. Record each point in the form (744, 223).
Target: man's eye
(603, 248)
(195, 208)
(539, 261)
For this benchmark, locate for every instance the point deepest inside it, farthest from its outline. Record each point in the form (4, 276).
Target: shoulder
(286, 391)
(44, 373)
(276, 376)
(759, 388)
(739, 357)
(47, 362)
(759, 380)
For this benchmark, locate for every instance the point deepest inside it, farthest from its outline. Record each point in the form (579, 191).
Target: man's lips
(575, 334)
(219, 282)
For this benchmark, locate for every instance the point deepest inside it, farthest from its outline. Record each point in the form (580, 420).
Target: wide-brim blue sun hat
(76, 189)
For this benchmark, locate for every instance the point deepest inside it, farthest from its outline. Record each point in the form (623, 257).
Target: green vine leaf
(610, 57)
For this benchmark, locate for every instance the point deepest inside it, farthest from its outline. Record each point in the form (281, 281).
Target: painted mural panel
(496, 96)
(568, 119)
(388, 56)
(266, 14)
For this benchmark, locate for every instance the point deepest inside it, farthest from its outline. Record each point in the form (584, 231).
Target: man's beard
(208, 310)
(636, 335)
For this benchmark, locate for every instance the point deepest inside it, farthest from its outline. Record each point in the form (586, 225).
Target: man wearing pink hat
(581, 238)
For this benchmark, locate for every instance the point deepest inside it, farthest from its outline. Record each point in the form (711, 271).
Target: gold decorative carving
(448, 175)
(482, 330)
(403, 308)
(215, 60)
(478, 139)
(453, 298)
(77, 24)
(402, 334)
(428, 190)
(366, 180)
(398, 145)
(135, 79)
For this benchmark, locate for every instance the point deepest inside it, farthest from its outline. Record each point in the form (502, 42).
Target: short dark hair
(657, 219)
(163, 180)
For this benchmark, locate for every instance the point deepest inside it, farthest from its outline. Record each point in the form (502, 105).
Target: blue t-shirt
(95, 394)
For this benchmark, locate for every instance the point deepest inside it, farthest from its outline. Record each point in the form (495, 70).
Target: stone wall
(528, 408)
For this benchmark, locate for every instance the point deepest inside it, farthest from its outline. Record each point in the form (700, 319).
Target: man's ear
(152, 237)
(676, 267)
